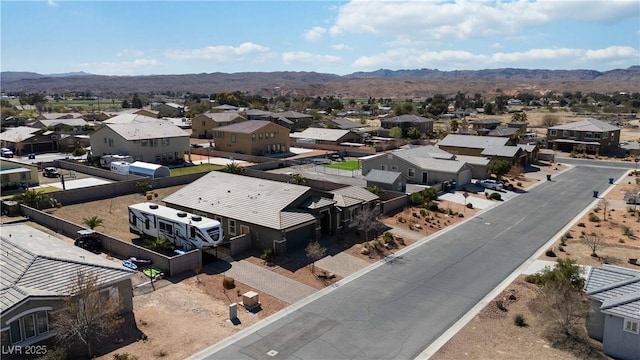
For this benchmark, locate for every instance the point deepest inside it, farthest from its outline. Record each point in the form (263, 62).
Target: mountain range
(380, 83)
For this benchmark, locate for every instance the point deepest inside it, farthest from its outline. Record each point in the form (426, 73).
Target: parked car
(50, 172)
(4, 152)
(88, 240)
(490, 184)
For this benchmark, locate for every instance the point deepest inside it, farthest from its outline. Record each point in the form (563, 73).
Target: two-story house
(253, 137)
(202, 125)
(590, 135)
(160, 142)
(406, 122)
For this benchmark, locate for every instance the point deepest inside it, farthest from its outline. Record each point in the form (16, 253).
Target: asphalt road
(397, 310)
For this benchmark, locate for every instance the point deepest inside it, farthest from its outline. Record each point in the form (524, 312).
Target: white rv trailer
(106, 160)
(184, 230)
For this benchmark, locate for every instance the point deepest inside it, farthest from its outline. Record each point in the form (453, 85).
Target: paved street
(396, 310)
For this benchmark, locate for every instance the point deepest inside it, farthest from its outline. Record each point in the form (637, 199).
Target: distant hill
(380, 83)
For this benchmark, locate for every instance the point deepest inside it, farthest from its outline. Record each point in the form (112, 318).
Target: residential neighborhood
(302, 199)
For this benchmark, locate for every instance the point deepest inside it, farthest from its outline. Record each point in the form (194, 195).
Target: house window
(596, 136)
(110, 142)
(244, 229)
(28, 326)
(204, 123)
(565, 133)
(588, 135)
(553, 132)
(253, 137)
(105, 140)
(631, 326)
(165, 142)
(383, 167)
(605, 134)
(233, 138)
(411, 172)
(260, 136)
(144, 143)
(232, 227)
(394, 168)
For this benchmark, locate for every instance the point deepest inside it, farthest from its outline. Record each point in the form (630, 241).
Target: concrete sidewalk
(269, 282)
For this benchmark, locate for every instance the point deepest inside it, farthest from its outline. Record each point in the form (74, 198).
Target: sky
(338, 37)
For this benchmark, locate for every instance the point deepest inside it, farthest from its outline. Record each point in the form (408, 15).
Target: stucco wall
(618, 343)
(595, 320)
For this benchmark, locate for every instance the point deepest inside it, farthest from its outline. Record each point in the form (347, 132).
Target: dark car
(50, 172)
(87, 240)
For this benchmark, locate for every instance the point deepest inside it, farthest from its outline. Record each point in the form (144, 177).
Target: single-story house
(297, 120)
(130, 118)
(470, 144)
(25, 140)
(202, 125)
(386, 180)
(503, 132)
(68, 143)
(324, 136)
(158, 142)
(13, 175)
(225, 107)
(484, 124)
(253, 137)
(426, 165)
(351, 201)
(256, 114)
(590, 135)
(37, 273)
(76, 125)
(58, 116)
(614, 319)
(406, 122)
(344, 124)
(169, 109)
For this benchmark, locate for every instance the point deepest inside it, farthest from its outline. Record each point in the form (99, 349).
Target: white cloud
(135, 67)
(340, 47)
(52, 3)
(130, 52)
(496, 45)
(301, 57)
(411, 58)
(432, 21)
(220, 53)
(315, 33)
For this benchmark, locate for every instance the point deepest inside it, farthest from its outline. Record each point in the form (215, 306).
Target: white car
(490, 184)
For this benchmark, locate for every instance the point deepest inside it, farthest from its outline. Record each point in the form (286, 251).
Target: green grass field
(345, 165)
(196, 169)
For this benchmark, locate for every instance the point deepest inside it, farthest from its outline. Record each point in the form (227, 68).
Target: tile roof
(316, 202)
(352, 195)
(320, 134)
(485, 121)
(37, 264)
(617, 288)
(131, 118)
(345, 123)
(244, 127)
(292, 115)
(502, 132)
(223, 117)
(430, 157)
(587, 125)
(225, 107)
(140, 131)
(506, 151)
(256, 201)
(471, 141)
(53, 116)
(257, 112)
(18, 134)
(382, 176)
(68, 122)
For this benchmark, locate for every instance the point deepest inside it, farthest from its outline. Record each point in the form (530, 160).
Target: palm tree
(33, 198)
(93, 222)
(298, 179)
(233, 168)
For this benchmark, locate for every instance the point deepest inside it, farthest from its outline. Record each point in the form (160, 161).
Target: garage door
(464, 177)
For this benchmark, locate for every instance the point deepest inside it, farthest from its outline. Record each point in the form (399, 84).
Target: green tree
(519, 116)
(395, 132)
(125, 104)
(79, 151)
(565, 270)
(499, 167)
(454, 125)
(376, 190)
(159, 245)
(136, 102)
(550, 120)
(93, 222)
(414, 133)
(298, 179)
(33, 198)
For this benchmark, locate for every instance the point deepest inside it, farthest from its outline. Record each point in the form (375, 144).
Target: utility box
(251, 300)
(10, 208)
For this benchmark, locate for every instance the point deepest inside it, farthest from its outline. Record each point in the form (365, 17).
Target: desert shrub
(415, 215)
(160, 245)
(500, 305)
(621, 241)
(627, 231)
(161, 353)
(469, 206)
(550, 253)
(433, 207)
(519, 184)
(531, 279)
(631, 209)
(123, 356)
(461, 215)
(423, 212)
(581, 225)
(563, 241)
(143, 186)
(495, 196)
(400, 219)
(594, 218)
(565, 270)
(417, 198)
(519, 320)
(267, 255)
(568, 235)
(449, 211)
(228, 282)
(387, 237)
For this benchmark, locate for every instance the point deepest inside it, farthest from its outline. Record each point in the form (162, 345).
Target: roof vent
(196, 218)
(153, 206)
(182, 214)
